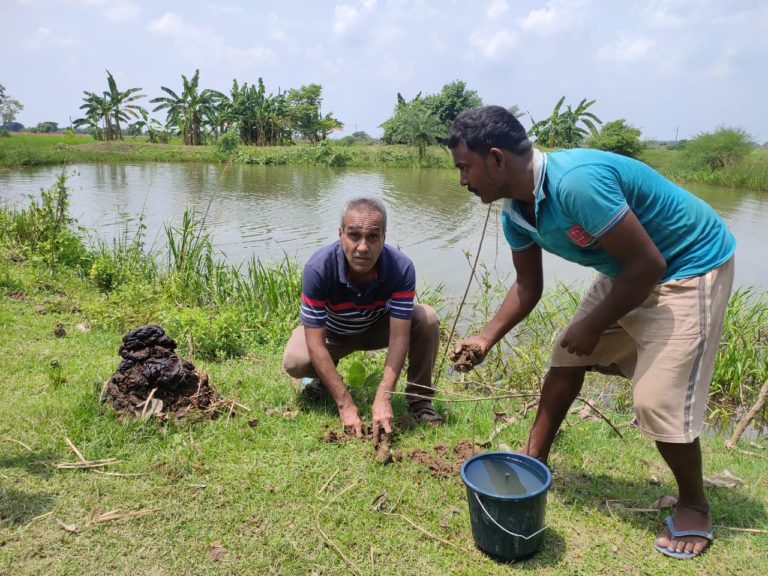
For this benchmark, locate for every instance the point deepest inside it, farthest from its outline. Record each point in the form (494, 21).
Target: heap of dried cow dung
(153, 380)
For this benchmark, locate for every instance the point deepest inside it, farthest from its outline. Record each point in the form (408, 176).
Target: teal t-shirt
(584, 193)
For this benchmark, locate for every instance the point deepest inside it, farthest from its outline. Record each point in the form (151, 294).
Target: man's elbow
(657, 268)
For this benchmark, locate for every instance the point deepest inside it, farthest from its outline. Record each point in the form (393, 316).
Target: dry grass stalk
(352, 566)
(126, 474)
(20, 443)
(87, 464)
(749, 530)
(114, 515)
(147, 401)
(423, 531)
(327, 482)
(36, 518)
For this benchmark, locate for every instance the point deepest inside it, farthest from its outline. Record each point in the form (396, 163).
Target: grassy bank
(258, 490)
(751, 173)
(40, 149)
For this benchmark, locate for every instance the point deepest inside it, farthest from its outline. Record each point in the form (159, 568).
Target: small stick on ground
(75, 450)
(588, 403)
(744, 422)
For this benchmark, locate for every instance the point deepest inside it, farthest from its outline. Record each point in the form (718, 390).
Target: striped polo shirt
(330, 299)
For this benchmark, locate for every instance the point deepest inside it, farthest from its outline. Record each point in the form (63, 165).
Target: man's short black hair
(489, 127)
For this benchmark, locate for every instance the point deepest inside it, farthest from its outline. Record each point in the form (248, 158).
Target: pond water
(270, 212)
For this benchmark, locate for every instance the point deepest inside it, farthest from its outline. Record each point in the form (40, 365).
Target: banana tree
(562, 129)
(121, 104)
(189, 110)
(98, 116)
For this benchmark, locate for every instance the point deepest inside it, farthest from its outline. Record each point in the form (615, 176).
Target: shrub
(719, 149)
(618, 137)
(227, 145)
(209, 334)
(44, 229)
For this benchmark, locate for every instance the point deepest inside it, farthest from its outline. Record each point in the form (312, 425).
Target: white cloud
(200, 44)
(626, 48)
(496, 8)
(555, 17)
(346, 16)
(43, 38)
(494, 45)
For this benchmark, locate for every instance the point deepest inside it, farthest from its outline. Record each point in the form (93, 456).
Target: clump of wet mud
(469, 356)
(442, 461)
(153, 380)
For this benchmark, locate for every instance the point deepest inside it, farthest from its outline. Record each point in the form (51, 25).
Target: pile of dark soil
(153, 380)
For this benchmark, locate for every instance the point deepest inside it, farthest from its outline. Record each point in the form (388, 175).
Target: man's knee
(425, 319)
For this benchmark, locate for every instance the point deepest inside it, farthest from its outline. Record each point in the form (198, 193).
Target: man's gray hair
(366, 204)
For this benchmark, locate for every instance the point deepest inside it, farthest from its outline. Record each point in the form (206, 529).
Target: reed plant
(742, 359)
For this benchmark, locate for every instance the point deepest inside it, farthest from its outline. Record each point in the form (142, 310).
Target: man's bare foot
(688, 518)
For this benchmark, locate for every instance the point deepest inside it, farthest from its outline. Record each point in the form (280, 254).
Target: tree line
(202, 114)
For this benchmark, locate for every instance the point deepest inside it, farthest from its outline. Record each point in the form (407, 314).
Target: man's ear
(497, 156)
(340, 231)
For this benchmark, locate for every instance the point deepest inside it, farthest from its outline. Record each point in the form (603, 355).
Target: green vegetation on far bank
(749, 172)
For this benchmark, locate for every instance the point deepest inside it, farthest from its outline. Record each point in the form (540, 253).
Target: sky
(671, 68)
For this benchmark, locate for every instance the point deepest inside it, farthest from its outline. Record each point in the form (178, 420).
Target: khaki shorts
(666, 347)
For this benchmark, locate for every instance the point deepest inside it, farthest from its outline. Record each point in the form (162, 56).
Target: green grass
(749, 174)
(262, 482)
(273, 494)
(40, 149)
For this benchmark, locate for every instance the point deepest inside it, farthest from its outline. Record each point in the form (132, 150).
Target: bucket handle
(492, 519)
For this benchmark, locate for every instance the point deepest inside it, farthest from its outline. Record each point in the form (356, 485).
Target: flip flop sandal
(312, 390)
(423, 411)
(674, 533)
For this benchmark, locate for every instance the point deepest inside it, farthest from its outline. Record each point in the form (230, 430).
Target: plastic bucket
(507, 494)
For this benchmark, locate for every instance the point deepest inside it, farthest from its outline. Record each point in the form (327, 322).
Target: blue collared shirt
(583, 194)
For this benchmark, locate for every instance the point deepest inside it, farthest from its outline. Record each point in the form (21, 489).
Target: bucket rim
(510, 456)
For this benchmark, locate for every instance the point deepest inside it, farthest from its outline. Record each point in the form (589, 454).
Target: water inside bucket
(504, 478)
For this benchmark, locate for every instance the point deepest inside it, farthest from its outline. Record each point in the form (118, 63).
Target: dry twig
(75, 450)
(744, 422)
(588, 403)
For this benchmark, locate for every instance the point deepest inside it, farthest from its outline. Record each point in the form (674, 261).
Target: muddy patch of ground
(152, 380)
(444, 462)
